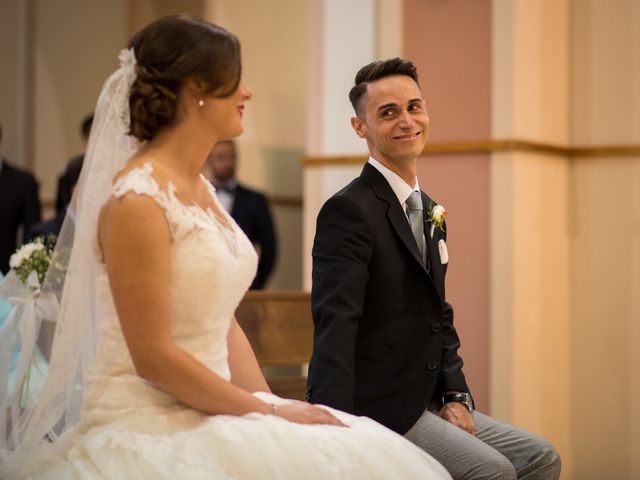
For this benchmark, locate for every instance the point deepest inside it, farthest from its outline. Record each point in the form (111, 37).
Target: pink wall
(450, 42)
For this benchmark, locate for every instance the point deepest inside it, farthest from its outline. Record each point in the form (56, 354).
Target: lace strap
(141, 182)
(182, 218)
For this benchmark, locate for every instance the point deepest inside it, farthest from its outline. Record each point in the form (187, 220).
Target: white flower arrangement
(35, 257)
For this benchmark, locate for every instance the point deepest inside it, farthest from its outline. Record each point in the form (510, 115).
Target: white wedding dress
(129, 429)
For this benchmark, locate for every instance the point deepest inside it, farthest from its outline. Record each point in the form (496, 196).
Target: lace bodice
(211, 267)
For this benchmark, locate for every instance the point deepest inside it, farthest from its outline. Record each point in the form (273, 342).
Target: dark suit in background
(66, 181)
(250, 210)
(66, 185)
(47, 227)
(19, 207)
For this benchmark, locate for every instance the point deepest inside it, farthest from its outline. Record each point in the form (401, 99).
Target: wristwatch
(462, 397)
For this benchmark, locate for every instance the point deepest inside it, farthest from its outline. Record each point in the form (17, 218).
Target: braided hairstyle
(168, 52)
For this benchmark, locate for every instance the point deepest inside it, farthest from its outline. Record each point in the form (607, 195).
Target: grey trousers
(497, 451)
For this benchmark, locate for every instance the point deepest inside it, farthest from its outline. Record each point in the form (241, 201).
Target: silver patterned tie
(414, 211)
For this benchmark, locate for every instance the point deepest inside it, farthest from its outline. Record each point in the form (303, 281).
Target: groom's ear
(359, 126)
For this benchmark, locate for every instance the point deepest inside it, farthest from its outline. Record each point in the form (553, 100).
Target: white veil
(71, 278)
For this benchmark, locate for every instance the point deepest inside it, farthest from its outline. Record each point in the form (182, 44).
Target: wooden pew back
(279, 327)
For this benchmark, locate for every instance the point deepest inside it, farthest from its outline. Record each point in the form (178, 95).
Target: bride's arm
(135, 242)
(245, 371)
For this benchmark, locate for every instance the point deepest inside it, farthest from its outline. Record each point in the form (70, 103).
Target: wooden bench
(279, 327)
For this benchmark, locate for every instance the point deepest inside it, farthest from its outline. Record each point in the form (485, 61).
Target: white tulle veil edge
(71, 278)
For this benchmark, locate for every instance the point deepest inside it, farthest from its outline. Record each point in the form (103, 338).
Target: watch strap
(459, 397)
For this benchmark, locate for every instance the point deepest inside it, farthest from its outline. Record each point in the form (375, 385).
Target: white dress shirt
(226, 194)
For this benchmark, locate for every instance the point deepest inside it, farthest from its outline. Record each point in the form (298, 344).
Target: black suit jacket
(19, 206)
(384, 340)
(47, 227)
(251, 212)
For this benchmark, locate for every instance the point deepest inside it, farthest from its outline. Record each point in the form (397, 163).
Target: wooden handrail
(491, 146)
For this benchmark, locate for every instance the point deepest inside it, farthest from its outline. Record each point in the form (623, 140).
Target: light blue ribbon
(23, 369)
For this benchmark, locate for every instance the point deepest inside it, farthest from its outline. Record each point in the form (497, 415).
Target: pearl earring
(201, 103)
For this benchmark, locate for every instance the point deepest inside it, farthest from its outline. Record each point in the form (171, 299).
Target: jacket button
(435, 327)
(432, 364)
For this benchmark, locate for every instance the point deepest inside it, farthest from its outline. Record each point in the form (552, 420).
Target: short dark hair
(85, 126)
(377, 70)
(168, 52)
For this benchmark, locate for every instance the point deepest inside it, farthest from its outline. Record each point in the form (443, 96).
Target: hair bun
(152, 104)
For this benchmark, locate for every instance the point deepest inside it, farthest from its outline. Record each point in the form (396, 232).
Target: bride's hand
(302, 412)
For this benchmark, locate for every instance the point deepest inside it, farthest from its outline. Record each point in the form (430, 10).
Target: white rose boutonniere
(436, 217)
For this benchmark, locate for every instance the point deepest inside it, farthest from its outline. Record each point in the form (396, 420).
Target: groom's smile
(408, 136)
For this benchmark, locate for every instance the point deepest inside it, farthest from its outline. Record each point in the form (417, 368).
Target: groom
(384, 341)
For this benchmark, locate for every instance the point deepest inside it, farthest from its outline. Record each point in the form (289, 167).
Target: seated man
(65, 189)
(248, 208)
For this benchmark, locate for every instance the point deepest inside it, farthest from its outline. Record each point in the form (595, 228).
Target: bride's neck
(181, 149)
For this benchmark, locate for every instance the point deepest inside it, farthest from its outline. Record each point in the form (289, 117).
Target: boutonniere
(436, 217)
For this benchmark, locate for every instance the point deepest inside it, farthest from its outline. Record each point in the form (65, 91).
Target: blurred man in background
(248, 208)
(65, 188)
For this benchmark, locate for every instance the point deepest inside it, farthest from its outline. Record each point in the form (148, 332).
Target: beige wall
(73, 56)
(530, 212)
(142, 12)
(16, 20)
(530, 295)
(606, 318)
(605, 227)
(564, 291)
(605, 72)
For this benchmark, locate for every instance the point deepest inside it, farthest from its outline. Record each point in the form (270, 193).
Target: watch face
(468, 401)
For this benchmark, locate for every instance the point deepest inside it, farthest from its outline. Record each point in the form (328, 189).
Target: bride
(172, 388)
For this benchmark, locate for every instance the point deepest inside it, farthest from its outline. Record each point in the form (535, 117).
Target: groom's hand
(458, 414)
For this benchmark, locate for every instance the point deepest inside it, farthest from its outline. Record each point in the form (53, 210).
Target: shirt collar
(397, 184)
(229, 186)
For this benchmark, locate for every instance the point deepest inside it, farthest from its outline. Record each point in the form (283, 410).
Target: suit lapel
(396, 216)
(432, 244)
